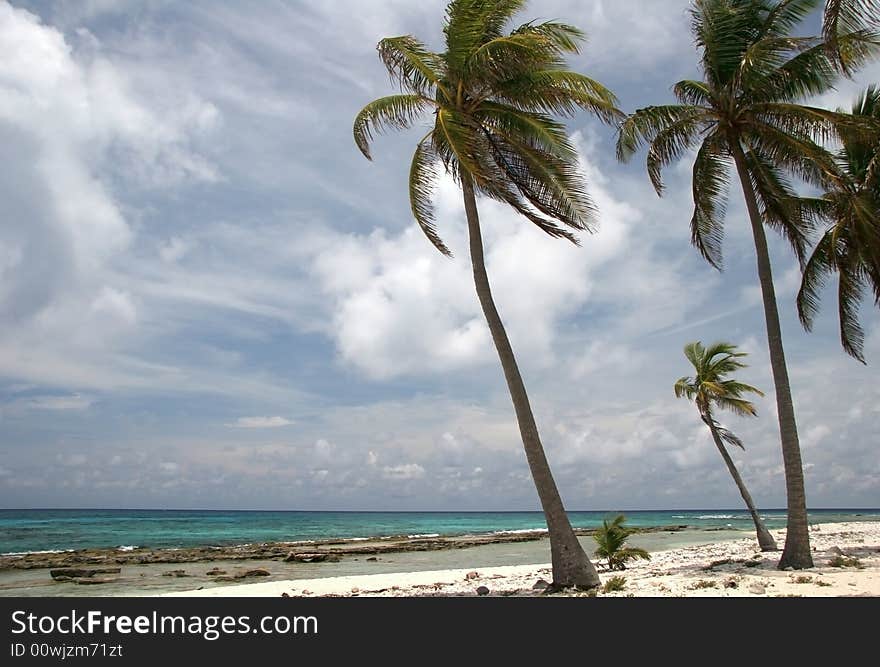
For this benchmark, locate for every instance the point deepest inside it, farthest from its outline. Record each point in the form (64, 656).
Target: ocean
(23, 531)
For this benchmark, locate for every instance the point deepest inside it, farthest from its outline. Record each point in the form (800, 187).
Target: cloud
(189, 233)
(403, 471)
(261, 422)
(71, 402)
(81, 133)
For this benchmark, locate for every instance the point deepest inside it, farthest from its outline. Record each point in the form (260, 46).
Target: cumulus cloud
(78, 129)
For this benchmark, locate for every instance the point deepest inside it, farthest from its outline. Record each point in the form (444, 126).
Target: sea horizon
(35, 530)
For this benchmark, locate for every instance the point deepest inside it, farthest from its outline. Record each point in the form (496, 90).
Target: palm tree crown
(492, 94)
(709, 385)
(850, 246)
(754, 73)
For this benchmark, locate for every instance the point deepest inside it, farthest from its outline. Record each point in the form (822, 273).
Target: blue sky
(208, 298)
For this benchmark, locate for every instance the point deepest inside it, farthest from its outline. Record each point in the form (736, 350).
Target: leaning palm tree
(491, 94)
(843, 17)
(709, 388)
(746, 113)
(850, 247)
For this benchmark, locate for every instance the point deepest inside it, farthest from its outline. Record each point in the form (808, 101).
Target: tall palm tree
(746, 112)
(491, 94)
(709, 388)
(850, 246)
(842, 17)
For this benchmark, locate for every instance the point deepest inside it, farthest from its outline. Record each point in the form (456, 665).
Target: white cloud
(261, 422)
(403, 471)
(79, 130)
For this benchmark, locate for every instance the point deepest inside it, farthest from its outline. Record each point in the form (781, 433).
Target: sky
(210, 299)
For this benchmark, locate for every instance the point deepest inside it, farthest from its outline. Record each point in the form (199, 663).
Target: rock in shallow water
(66, 573)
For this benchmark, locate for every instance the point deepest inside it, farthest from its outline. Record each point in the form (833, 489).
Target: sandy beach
(846, 557)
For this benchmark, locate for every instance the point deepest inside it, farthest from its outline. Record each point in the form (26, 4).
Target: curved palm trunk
(571, 566)
(796, 553)
(765, 539)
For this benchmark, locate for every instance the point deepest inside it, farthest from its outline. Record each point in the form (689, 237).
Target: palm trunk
(571, 566)
(765, 539)
(796, 553)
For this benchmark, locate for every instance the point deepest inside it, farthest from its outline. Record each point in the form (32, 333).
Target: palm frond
(422, 182)
(850, 289)
(392, 112)
(779, 205)
(710, 185)
(815, 273)
(670, 144)
(643, 126)
(729, 437)
(411, 65)
(559, 92)
(565, 38)
(845, 17)
(693, 93)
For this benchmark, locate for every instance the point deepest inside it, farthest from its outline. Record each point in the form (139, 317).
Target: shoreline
(846, 564)
(319, 550)
(107, 578)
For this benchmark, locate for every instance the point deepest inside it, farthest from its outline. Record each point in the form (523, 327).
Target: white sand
(673, 573)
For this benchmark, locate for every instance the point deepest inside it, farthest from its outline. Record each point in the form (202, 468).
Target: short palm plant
(850, 247)
(491, 96)
(710, 388)
(611, 540)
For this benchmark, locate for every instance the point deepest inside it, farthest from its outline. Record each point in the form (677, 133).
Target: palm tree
(709, 387)
(491, 94)
(850, 246)
(611, 544)
(745, 111)
(842, 17)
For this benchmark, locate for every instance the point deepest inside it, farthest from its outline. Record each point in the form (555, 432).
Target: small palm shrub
(616, 583)
(611, 541)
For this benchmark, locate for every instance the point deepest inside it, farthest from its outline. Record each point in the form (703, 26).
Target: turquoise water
(47, 530)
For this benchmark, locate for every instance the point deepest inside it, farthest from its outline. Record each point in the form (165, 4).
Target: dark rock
(837, 551)
(471, 575)
(214, 572)
(540, 585)
(482, 590)
(89, 581)
(176, 573)
(70, 572)
(285, 595)
(259, 572)
(372, 558)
